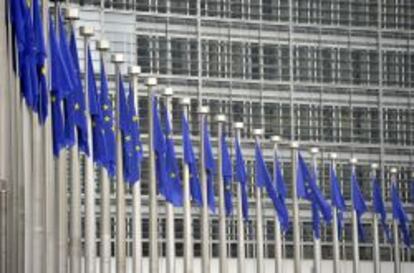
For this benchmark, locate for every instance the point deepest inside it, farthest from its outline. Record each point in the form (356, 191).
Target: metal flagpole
(257, 133)
(167, 93)
(221, 119)
(134, 71)
(241, 260)
(355, 241)
(335, 227)
(397, 258)
(278, 233)
(117, 60)
(153, 220)
(105, 246)
(376, 252)
(316, 241)
(188, 244)
(296, 227)
(89, 179)
(72, 14)
(205, 245)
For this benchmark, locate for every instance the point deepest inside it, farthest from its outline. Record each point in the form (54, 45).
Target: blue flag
(210, 167)
(308, 189)
(281, 193)
(61, 85)
(135, 159)
(263, 180)
(358, 203)
(338, 200)
(159, 143)
(42, 101)
(241, 177)
(98, 137)
(379, 207)
(316, 221)
(399, 214)
(191, 161)
(108, 124)
(76, 106)
(125, 129)
(227, 171)
(174, 190)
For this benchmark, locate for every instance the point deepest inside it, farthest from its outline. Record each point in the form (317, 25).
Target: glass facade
(335, 74)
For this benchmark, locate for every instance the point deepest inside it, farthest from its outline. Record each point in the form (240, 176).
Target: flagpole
(335, 239)
(205, 245)
(257, 133)
(221, 119)
(397, 261)
(117, 60)
(376, 250)
(188, 244)
(105, 247)
(134, 71)
(296, 227)
(316, 240)
(278, 233)
(167, 93)
(241, 260)
(153, 220)
(89, 214)
(355, 241)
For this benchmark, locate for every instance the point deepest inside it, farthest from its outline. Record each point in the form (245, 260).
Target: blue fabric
(210, 167)
(241, 177)
(191, 161)
(358, 203)
(379, 207)
(227, 170)
(338, 200)
(159, 149)
(400, 215)
(281, 194)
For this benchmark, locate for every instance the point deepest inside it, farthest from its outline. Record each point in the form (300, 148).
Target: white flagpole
(105, 246)
(205, 226)
(397, 258)
(376, 250)
(278, 233)
(117, 60)
(89, 216)
(134, 71)
(316, 241)
(153, 206)
(355, 241)
(221, 119)
(241, 260)
(296, 227)
(257, 133)
(167, 93)
(188, 244)
(335, 227)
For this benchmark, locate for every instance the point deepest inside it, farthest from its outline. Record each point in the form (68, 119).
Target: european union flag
(210, 167)
(174, 190)
(158, 140)
(76, 101)
(263, 180)
(61, 85)
(399, 214)
(190, 160)
(108, 123)
(42, 101)
(98, 137)
(125, 129)
(316, 221)
(134, 161)
(338, 200)
(358, 203)
(379, 207)
(281, 193)
(227, 171)
(308, 189)
(241, 177)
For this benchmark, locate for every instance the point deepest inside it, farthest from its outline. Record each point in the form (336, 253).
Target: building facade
(333, 74)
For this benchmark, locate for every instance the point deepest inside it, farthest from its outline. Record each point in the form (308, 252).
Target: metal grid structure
(332, 74)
